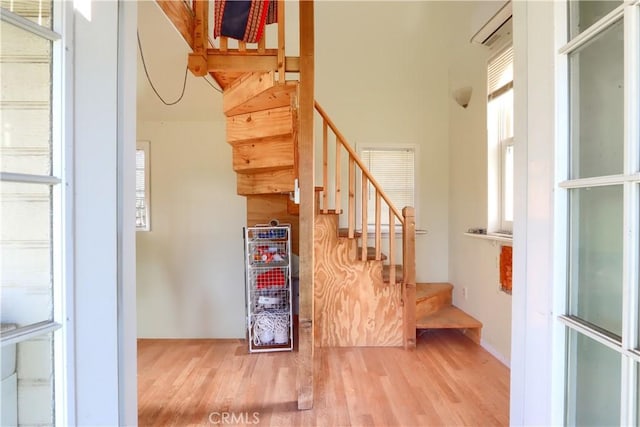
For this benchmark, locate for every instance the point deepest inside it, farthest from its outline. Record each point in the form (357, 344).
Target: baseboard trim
(495, 353)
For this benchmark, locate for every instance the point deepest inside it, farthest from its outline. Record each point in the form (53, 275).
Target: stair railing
(257, 49)
(405, 219)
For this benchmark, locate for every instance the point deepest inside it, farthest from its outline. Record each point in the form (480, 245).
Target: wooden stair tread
(344, 232)
(432, 297)
(427, 290)
(371, 253)
(448, 318)
(399, 273)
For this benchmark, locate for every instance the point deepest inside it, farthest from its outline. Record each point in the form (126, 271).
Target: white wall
(190, 281)
(473, 262)
(381, 78)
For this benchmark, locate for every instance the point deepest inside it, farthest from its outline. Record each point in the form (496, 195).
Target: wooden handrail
(342, 140)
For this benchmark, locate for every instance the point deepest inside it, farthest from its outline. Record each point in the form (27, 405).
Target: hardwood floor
(447, 381)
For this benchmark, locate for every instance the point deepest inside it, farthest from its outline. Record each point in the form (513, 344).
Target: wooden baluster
(338, 177)
(409, 285)
(242, 46)
(325, 167)
(392, 248)
(281, 53)
(365, 204)
(378, 226)
(224, 44)
(352, 196)
(262, 43)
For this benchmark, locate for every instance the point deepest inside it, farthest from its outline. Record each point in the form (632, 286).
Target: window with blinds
(142, 186)
(500, 73)
(500, 141)
(394, 169)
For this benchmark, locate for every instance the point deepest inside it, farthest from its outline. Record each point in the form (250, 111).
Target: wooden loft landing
(225, 65)
(228, 67)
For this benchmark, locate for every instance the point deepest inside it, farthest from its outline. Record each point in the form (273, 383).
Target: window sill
(492, 236)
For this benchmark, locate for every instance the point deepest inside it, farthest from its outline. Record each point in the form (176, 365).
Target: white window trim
(145, 146)
(390, 146)
(497, 225)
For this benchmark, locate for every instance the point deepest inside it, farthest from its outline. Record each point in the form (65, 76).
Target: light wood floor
(447, 381)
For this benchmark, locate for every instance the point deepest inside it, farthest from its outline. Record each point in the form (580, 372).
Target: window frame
(496, 158)
(60, 182)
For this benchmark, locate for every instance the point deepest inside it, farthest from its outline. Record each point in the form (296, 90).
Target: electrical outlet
(465, 292)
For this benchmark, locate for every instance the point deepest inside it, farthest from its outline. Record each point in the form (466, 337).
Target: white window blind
(394, 169)
(500, 73)
(142, 186)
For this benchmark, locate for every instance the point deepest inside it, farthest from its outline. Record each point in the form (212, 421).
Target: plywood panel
(353, 306)
(264, 207)
(261, 124)
(280, 181)
(263, 154)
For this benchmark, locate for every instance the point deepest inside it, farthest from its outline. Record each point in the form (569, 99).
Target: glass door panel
(582, 14)
(595, 285)
(593, 383)
(596, 78)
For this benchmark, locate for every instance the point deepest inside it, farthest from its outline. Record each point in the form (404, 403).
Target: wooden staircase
(351, 294)
(262, 129)
(434, 310)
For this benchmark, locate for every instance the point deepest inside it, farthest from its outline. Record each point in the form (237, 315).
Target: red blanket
(244, 19)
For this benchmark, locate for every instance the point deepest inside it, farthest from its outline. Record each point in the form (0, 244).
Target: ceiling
(165, 54)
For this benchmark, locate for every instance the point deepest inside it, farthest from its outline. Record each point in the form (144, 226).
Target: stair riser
(261, 124)
(433, 303)
(244, 90)
(263, 155)
(266, 182)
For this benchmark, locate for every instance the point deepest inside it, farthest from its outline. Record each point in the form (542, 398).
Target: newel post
(409, 282)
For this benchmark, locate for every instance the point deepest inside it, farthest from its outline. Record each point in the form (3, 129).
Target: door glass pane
(596, 105)
(25, 107)
(582, 14)
(25, 253)
(593, 383)
(595, 283)
(38, 11)
(27, 382)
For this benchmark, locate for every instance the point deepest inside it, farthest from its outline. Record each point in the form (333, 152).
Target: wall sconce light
(462, 96)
